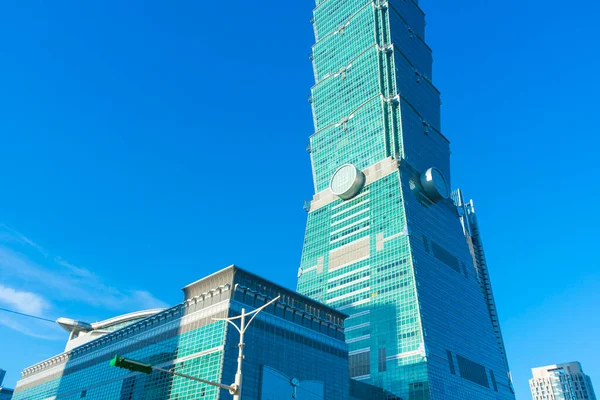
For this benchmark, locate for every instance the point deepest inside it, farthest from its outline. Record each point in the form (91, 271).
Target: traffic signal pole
(132, 365)
(217, 384)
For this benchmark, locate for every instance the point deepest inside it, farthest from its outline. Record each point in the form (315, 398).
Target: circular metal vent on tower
(435, 184)
(347, 181)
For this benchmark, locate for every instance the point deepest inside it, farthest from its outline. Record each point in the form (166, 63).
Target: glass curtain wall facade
(384, 241)
(294, 349)
(5, 393)
(468, 219)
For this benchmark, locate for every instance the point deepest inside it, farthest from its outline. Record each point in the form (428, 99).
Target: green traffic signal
(115, 361)
(122, 362)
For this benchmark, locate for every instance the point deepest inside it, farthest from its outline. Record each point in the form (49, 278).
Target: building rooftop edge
(270, 282)
(67, 353)
(210, 276)
(549, 366)
(70, 324)
(29, 370)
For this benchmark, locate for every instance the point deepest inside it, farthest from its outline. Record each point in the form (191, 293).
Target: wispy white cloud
(36, 279)
(11, 236)
(144, 297)
(28, 303)
(35, 329)
(25, 302)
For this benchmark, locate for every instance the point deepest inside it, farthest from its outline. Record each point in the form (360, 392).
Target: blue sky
(147, 144)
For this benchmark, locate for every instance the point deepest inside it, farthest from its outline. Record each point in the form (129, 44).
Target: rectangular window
(425, 243)
(307, 321)
(289, 314)
(451, 362)
(127, 388)
(359, 364)
(382, 367)
(464, 269)
(418, 390)
(445, 256)
(279, 311)
(493, 377)
(472, 371)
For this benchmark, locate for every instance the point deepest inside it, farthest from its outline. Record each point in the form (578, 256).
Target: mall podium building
(294, 349)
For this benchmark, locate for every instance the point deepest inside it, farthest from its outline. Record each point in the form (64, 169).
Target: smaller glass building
(294, 349)
(5, 393)
(561, 382)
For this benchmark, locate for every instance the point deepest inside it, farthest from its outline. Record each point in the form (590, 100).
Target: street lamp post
(235, 388)
(237, 385)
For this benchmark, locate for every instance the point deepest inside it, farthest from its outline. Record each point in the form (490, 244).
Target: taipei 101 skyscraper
(387, 242)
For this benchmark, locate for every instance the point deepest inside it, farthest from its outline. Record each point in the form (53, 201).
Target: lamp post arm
(229, 322)
(255, 312)
(236, 388)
